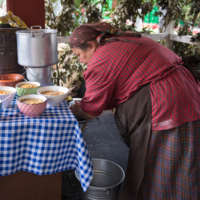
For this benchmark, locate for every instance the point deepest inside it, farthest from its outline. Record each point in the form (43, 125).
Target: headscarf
(86, 32)
(98, 31)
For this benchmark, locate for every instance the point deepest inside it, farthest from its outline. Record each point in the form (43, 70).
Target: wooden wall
(32, 12)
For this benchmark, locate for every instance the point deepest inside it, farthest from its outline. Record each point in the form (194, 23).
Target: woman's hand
(78, 112)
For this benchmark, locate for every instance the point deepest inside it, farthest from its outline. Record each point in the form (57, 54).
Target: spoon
(51, 94)
(71, 89)
(21, 75)
(1, 101)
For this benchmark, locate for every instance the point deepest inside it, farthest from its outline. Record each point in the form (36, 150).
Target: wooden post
(114, 4)
(169, 29)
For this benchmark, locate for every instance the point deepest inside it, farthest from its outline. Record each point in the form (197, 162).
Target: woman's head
(86, 38)
(86, 50)
(89, 32)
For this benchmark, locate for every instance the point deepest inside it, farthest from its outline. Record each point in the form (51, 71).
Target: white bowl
(7, 102)
(54, 100)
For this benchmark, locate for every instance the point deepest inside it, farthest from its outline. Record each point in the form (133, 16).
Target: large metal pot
(106, 183)
(37, 47)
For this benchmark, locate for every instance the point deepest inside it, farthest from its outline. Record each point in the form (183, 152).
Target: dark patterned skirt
(172, 169)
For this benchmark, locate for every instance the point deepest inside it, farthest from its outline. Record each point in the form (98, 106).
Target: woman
(157, 103)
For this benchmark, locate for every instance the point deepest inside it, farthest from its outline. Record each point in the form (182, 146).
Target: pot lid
(36, 32)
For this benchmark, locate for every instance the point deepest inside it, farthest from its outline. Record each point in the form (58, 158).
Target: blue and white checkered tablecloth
(43, 145)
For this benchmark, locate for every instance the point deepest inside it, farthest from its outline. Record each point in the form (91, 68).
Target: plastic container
(10, 79)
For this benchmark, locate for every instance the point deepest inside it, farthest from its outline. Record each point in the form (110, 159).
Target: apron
(133, 120)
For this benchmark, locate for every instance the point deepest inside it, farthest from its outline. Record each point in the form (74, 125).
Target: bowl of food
(32, 105)
(57, 97)
(10, 79)
(8, 94)
(27, 87)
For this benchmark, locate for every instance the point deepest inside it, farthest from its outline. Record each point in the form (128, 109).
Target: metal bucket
(106, 183)
(39, 74)
(37, 47)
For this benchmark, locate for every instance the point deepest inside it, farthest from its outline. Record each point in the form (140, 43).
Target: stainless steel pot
(39, 74)
(106, 183)
(37, 47)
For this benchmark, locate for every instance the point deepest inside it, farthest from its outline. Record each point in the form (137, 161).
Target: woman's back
(118, 69)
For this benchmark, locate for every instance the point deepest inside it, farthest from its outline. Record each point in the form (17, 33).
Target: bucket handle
(28, 71)
(107, 191)
(100, 189)
(38, 26)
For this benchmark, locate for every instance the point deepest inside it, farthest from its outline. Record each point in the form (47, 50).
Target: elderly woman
(157, 103)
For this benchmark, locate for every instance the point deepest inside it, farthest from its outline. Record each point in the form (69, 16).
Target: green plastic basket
(24, 91)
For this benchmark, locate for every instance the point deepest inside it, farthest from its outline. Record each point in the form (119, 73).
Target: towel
(13, 20)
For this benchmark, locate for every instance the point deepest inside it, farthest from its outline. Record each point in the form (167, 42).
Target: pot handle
(41, 35)
(36, 26)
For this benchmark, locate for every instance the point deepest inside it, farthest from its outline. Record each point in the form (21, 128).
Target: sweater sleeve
(98, 92)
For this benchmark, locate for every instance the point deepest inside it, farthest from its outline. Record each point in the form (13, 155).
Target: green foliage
(173, 11)
(69, 65)
(63, 22)
(126, 9)
(146, 30)
(195, 10)
(180, 48)
(195, 38)
(69, 70)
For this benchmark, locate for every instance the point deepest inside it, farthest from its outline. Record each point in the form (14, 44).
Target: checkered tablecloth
(43, 145)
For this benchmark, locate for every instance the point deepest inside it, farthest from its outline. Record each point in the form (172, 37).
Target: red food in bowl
(10, 79)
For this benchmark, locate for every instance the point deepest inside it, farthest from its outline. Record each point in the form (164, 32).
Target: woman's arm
(78, 112)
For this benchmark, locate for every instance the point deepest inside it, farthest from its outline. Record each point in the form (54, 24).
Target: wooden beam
(157, 36)
(63, 39)
(169, 29)
(184, 39)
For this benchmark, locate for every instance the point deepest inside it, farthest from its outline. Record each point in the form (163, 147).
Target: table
(43, 145)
